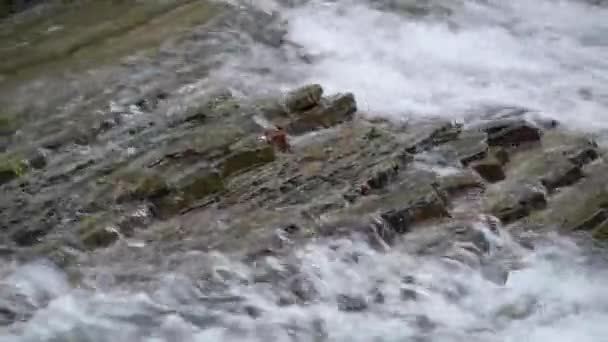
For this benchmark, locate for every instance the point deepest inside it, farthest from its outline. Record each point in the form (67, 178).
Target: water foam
(547, 55)
(346, 291)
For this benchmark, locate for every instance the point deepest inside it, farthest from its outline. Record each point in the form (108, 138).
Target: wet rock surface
(329, 164)
(147, 171)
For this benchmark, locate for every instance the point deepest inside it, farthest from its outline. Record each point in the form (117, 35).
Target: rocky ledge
(255, 177)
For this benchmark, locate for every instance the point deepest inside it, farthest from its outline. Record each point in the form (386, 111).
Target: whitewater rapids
(547, 55)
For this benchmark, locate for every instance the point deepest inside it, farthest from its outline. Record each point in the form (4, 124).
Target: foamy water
(550, 56)
(339, 290)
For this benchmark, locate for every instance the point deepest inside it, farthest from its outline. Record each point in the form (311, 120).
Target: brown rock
(402, 220)
(490, 169)
(278, 138)
(514, 135)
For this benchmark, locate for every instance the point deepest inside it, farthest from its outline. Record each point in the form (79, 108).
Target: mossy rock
(247, 158)
(140, 185)
(191, 190)
(601, 232)
(8, 124)
(11, 168)
(573, 206)
(515, 200)
(95, 233)
(217, 105)
(203, 185)
(303, 98)
(331, 112)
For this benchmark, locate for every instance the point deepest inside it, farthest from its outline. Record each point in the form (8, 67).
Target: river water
(550, 56)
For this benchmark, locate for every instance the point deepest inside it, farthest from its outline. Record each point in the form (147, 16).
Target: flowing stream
(447, 59)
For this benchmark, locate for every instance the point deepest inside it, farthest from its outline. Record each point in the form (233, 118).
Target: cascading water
(331, 290)
(402, 59)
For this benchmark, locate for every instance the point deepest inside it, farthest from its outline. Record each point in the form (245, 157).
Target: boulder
(303, 98)
(330, 112)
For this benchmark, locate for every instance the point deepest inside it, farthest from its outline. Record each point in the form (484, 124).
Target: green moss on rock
(192, 189)
(203, 186)
(333, 111)
(601, 232)
(140, 185)
(11, 168)
(8, 124)
(246, 159)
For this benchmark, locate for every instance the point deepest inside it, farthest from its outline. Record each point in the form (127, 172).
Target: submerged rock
(350, 303)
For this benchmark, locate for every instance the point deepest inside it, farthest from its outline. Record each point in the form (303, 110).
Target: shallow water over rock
(436, 180)
(339, 290)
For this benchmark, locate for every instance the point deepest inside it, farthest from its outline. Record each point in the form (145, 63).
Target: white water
(548, 55)
(551, 56)
(558, 295)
